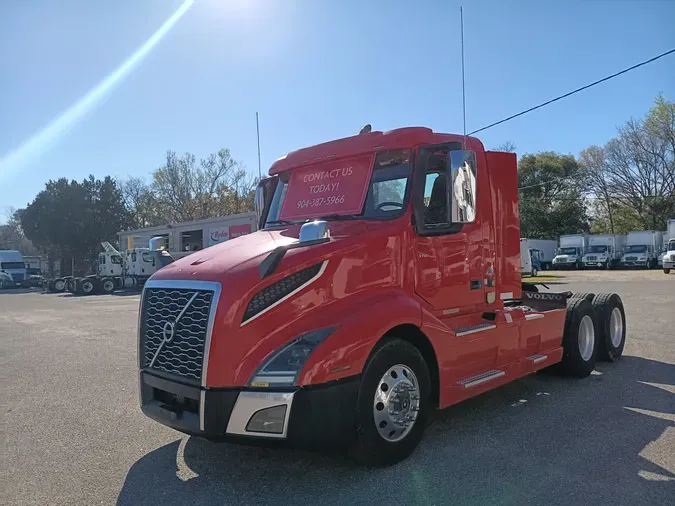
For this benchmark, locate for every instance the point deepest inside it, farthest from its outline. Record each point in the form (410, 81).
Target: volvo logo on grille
(169, 330)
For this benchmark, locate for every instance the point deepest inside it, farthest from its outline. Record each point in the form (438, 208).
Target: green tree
(69, 219)
(551, 196)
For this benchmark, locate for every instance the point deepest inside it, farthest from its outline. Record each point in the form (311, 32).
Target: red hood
(212, 263)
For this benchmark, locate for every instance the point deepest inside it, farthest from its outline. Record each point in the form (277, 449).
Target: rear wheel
(393, 404)
(579, 339)
(86, 286)
(59, 285)
(584, 295)
(108, 285)
(611, 326)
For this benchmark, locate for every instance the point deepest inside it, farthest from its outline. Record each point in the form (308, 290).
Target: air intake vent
(271, 295)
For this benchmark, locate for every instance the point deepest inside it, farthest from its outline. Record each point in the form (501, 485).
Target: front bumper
(668, 264)
(316, 415)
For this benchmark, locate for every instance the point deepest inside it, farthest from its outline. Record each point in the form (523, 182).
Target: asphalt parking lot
(73, 432)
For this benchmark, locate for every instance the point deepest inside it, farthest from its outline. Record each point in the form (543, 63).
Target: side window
(436, 200)
(147, 257)
(101, 259)
(133, 256)
(116, 259)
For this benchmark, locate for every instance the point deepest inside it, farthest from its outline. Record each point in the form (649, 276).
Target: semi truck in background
(547, 250)
(642, 249)
(668, 258)
(116, 270)
(13, 266)
(604, 250)
(571, 251)
(361, 306)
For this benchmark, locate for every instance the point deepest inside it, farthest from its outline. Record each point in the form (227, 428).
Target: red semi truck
(384, 283)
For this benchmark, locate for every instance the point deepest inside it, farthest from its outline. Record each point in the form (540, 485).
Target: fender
(363, 322)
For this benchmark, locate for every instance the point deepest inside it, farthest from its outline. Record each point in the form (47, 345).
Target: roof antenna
(461, 21)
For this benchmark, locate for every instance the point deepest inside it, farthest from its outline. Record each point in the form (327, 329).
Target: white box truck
(547, 250)
(571, 251)
(604, 250)
(669, 255)
(664, 248)
(642, 249)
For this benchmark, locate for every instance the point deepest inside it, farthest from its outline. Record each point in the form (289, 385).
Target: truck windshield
(12, 265)
(598, 249)
(671, 245)
(567, 251)
(386, 195)
(636, 249)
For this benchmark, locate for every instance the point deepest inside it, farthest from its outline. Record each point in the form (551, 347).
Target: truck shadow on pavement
(608, 439)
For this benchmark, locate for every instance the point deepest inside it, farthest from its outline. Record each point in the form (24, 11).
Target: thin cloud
(48, 137)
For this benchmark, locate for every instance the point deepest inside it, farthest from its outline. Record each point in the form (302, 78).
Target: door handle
(475, 284)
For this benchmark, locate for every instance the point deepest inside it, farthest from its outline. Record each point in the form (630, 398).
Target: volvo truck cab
(385, 283)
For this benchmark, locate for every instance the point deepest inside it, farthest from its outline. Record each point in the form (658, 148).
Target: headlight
(281, 369)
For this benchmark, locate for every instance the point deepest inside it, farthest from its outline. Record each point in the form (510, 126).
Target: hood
(244, 252)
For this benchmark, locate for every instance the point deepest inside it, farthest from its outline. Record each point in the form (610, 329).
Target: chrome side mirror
(463, 186)
(314, 231)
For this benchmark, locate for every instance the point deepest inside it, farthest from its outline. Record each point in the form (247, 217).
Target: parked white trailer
(642, 249)
(604, 250)
(547, 247)
(664, 248)
(669, 256)
(571, 251)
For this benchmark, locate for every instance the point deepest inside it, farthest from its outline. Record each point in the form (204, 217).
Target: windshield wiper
(334, 217)
(279, 222)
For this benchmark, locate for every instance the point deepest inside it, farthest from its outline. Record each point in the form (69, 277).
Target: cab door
(449, 244)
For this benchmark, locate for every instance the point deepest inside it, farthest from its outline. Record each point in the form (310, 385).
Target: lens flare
(46, 138)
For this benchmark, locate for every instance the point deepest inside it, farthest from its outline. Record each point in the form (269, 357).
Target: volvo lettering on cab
(384, 283)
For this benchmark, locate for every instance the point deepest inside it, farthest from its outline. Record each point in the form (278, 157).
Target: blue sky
(315, 70)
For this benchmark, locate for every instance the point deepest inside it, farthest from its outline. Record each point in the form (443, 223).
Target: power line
(574, 91)
(546, 182)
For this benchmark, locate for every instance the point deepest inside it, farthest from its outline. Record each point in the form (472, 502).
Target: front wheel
(666, 271)
(393, 404)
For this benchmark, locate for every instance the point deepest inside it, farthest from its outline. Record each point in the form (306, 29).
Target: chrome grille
(592, 258)
(174, 328)
(631, 259)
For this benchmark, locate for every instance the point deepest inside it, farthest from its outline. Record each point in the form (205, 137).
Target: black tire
(86, 286)
(604, 305)
(108, 285)
(666, 271)
(584, 295)
(573, 363)
(369, 447)
(577, 266)
(58, 285)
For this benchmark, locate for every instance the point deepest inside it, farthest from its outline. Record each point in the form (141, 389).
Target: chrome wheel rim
(59, 285)
(108, 286)
(87, 287)
(586, 338)
(616, 327)
(396, 403)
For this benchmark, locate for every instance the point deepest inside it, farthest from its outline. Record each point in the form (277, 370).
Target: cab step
(537, 359)
(481, 378)
(472, 329)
